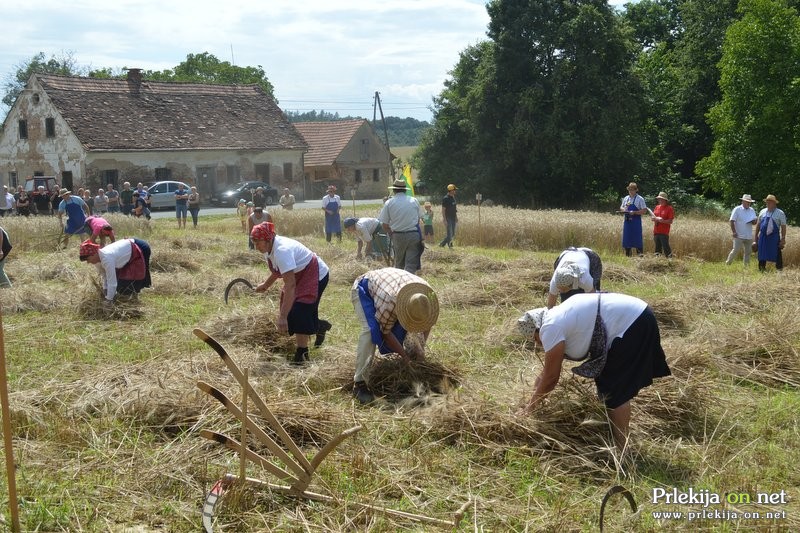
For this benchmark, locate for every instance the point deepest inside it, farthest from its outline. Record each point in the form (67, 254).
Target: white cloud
(331, 51)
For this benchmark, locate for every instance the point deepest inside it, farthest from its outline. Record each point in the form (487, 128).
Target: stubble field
(107, 414)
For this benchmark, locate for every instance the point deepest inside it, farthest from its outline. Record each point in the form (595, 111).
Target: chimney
(135, 75)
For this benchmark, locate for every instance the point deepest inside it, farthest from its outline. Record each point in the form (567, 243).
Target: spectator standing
(258, 197)
(113, 198)
(144, 196)
(449, 215)
(181, 205)
(331, 203)
(41, 201)
(633, 206)
(400, 218)
(427, 222)
(76, 211)
(743, 218)
(194, 204)
(6, 203)
(256, 217)
(243, 211)
(23, 204)
(100, 203)
(770, 234)
(663, 215)
(88, 199)
(55, 200)
(126, 199)
(287, 200)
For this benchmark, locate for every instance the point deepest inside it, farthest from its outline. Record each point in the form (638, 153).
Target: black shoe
(300, 356)
(323, 328)
(362, 393)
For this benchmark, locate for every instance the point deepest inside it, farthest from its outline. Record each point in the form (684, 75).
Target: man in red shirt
(663, 216)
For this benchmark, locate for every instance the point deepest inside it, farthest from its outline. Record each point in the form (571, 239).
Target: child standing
(427, 221)
(242, 212)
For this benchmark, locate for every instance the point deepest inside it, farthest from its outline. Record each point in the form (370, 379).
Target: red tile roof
(121, 115)
(326, 140)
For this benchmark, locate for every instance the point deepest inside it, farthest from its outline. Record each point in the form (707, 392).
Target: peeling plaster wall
(38, 153)
(141, 167)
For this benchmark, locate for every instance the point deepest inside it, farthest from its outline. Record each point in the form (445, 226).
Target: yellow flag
(407, 177)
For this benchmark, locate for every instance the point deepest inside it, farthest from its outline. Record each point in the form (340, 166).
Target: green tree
(63, 64)
(544, 114)
(757, 122)
(206, 68)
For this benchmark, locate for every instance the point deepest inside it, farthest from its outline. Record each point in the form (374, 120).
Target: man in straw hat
(743, 218)
(400, 217)
(124, 265)
(770, 234)
(305, 276)
(389, 303)
(633, 206)
(663, 215)
(622, 352)
(76, 210)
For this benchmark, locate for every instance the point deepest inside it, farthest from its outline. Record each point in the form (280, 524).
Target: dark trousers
(762, 265)
(662, 244)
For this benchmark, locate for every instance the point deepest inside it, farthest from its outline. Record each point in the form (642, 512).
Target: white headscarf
(531, 321)
(568, 275)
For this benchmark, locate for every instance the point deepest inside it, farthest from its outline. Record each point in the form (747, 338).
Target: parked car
(32, 184)
(162, 194)
(244, 190)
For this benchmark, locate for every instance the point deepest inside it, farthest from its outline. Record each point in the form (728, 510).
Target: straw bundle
(252, 328)
(244, 258)
(90, 306)
(394, 377)
(173, 261)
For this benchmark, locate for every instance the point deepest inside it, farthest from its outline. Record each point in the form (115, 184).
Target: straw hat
(452, 187)
(416, 307)
(399, 184)
(62, 192)
(746, 198)
(771, 198)
(663, 196)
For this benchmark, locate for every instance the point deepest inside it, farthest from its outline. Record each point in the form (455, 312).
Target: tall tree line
(569, 100)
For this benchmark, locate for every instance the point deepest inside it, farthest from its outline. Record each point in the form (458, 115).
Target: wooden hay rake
(299, 470)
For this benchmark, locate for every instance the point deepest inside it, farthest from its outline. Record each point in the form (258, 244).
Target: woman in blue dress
(331, 204)
(633, 206)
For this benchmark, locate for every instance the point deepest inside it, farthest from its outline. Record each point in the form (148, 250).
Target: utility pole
(376, 106)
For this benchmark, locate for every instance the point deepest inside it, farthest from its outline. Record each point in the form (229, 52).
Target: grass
(106, 414)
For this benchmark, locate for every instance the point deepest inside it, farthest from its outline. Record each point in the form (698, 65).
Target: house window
(288, 172)
(358, 175)
(364, 149)
(234, 174)
(50, 127)
(23, 129)
(12, 180)
(111, 176)
(163, 174)
(376, 174)
(263, 172)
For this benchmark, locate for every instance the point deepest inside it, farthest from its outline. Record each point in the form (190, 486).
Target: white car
(162, 194)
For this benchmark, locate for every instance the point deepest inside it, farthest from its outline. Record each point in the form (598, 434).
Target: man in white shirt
(743, 218)
(400, 217)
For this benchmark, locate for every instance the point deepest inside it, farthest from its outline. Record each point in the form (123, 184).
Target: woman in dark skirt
(615, 336)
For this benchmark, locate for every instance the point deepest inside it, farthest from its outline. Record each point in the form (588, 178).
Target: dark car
(245, 191)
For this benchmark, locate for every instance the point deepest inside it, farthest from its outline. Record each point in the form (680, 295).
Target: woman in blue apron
(331, 203)
(770, 234)
(76, 211)
(633, 206)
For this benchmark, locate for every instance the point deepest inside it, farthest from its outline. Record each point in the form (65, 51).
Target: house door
(66, 179)
(206, 180)
(262, 173)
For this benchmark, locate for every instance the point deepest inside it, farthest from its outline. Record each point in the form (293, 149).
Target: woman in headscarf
(577, 270)
(305, 276)
(622, 352)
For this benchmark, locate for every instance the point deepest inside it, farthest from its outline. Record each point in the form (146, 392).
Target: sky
(330, 55)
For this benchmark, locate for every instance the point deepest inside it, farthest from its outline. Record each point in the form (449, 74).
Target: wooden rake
(298, 471)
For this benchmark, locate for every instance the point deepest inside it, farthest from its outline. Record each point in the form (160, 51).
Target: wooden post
(479, 198)
(7, 439)
(243, 454)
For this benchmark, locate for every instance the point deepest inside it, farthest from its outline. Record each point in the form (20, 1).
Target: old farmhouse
(348, 154)
(90, 132)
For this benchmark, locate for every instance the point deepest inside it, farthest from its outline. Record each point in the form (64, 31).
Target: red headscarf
(263, 232)
(88, 248)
